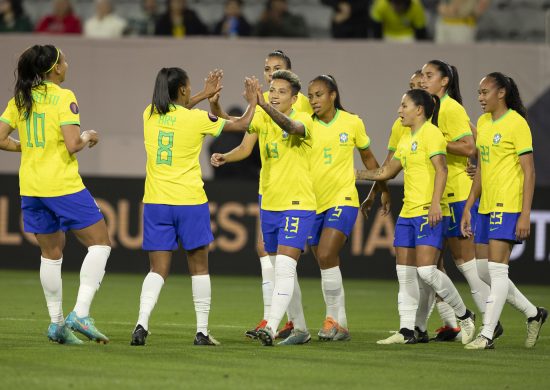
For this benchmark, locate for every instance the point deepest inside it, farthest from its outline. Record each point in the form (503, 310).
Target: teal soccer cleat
(85, 326)
(63, 335)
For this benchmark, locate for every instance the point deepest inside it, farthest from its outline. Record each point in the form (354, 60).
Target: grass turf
(169, 360)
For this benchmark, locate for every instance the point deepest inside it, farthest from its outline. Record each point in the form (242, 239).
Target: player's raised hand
(217, 160)
(212, 83)
(91, 137)
(250, 90)
(261, 100)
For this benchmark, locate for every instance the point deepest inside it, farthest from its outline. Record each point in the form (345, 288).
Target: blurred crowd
(445, 21)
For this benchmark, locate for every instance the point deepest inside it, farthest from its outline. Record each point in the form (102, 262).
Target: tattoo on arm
(284, 122)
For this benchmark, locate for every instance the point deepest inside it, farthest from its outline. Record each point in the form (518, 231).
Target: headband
(54, 64)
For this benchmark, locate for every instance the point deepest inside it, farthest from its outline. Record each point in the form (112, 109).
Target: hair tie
(54, 64)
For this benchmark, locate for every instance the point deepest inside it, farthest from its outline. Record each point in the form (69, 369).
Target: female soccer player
(176, 207)
(441, 79)
(422, 222)
(337, 133)
(53, 197)
(276, 60)
(505, 179)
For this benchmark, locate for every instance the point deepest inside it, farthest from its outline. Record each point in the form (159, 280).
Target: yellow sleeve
(257, 121)
(397, 155)
(10, 115)
(305, 120)
(69, 113)
(395, 135)
(209, 123)
(457, 123)
(377, 10)
(435, 143)
(522, 139)
(362, 140)
(418, 18)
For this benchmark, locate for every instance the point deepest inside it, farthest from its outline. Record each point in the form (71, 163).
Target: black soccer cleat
(421, 336)
(446, 333)
(139, 336)
(201, 339)
(499, 330)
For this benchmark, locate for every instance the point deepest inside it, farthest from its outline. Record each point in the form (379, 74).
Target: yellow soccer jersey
(397, 130)
(396, 25)
(286, 178)
(173, 143)
(332, 160)
(47, 169)
(415, 152)
(500, 143)
(301, 105)
(454, 123)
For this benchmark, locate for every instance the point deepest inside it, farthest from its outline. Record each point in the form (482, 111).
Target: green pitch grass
(169, 360)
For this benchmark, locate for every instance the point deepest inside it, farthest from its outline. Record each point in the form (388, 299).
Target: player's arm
(242, 123)
(370, 162)
(237, 154)
(464, 146)
(8, 143)
(524, 222)
(212, 86)
(383, 173)
(75, 141)
(475, 193)
(439, 161)
(287, 124)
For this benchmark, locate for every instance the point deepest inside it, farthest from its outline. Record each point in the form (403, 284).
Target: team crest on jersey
(344, 137)
(497, 138)
(74, 108)
(414, 146)
(212, 117)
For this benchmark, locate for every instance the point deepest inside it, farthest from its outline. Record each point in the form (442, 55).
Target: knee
(427, 273)
(161, 270)
(326, 259)
(52, 253)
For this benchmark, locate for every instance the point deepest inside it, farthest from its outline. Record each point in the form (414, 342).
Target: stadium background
(113, 81)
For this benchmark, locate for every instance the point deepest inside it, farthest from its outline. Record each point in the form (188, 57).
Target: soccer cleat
(329, 330)
(201, 339)
(296, 337)
(467, 328)
(139, 335)
(342, 334)
(421, 336)
(266, 336)
(446, 333)
(499, 330)
(398, 338)
(480, 342)
(63, 335)
(533, 327)
(253, 333)
(285, 332)
(86, 326)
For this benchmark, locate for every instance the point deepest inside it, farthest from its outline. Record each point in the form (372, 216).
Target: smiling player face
(280, 95)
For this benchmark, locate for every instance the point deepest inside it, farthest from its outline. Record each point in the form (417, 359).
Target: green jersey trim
(502, 117)
(364, 147)
(222, 124)
(5, 121)
(462, 136)
(392, 149)
(69, 123)
(436, 153)
(524, 151)
(332, 120)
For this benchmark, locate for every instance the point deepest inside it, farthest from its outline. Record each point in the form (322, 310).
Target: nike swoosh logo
(419, 237)
(289, 237)
(493, 229)
(264, 283)
(333, 219)
(82, 325)
(282, 294)
(452, 228)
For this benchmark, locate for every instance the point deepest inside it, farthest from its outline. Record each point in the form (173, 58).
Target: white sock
(497, 297)
(50, 278)
(331, 284)
(285, 272)
(447, 314)
(425, 304)
(150, 291)
(268, 281)
(443, 286)
(482, 266)
(295, 308)
(342, 317)
(202, 295)
(91, 275)
(407, 298)
(478, 288)
(515, 297)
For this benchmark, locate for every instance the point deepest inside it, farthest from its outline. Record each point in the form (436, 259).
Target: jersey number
(485, 153)
(293, 222)
(39, 126)
(271, 150)
(327, 156)
(165, 143)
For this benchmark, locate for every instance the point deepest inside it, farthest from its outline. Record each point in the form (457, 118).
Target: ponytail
(512, 97)
(451, 72)
(167, 83)
(430, 103)
(332, 86)
(32, 68)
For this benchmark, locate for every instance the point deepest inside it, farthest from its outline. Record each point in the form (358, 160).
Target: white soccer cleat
(533, 327)
(297, 337)
(397, 338)
(480, 342)
(467, 328)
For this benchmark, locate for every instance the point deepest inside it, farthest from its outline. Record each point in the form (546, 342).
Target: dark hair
(32, 67)
(449, 71)
(512, 98)
(281, 55)
(290, 77)
(417, 73)
(430, 103)
(168, 81)
(16, 7)
(330, 83)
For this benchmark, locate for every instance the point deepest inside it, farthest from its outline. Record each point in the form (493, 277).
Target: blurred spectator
(399, 20)
(457, 20)
(233, 22)
(145, 23)
(13, 18)
(247, 169)
(105, 23)
(62, 21)
(277, 21)
(179, 21)
(350, 18)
